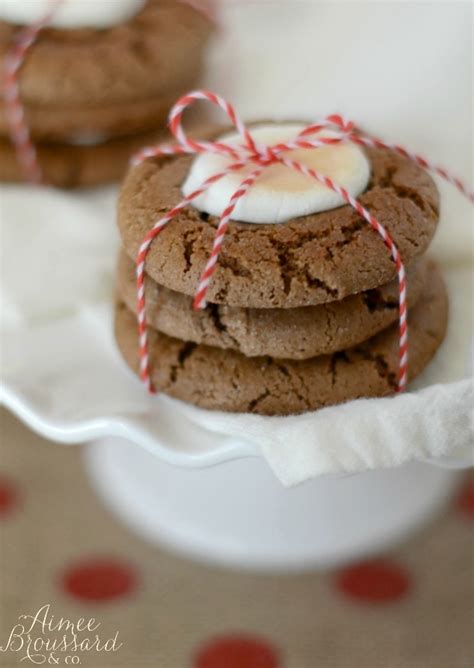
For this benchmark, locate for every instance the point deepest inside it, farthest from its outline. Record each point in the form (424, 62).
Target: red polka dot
(465, 501)
(375, 581)
(8, 496)
(99, 580)
(237, 651)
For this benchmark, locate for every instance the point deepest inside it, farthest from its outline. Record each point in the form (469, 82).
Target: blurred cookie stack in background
(98, 82)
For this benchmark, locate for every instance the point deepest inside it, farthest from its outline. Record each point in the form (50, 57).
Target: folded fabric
(360, 435)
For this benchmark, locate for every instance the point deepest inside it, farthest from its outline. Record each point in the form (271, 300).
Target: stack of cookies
(99, 81)
(302, 310)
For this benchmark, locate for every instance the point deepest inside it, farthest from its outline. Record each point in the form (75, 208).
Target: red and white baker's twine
(251, 152)
(14, 111)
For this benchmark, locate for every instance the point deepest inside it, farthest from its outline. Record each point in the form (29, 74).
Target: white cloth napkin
(434, 422)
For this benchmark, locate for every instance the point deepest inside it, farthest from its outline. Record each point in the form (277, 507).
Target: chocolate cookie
(321, 257)
(69, 165)
(128, 71)
(296, 333)
(227, 380)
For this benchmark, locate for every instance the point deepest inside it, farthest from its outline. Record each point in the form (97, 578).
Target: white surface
(71, 13)
(238, 515)
(58, 252)
(279, 193)
(61, 372)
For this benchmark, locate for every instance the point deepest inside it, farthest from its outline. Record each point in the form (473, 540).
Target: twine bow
(250, 152)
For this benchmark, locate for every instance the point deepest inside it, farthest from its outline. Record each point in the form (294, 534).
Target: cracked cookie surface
(297, 333)
(226, 380)
(309, 260)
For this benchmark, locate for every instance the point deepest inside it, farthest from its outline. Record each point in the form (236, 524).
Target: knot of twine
(250, 152)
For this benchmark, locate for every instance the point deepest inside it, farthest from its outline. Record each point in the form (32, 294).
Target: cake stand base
(238, 515)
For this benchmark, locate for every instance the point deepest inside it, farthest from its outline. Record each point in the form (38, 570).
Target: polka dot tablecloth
(65, 555)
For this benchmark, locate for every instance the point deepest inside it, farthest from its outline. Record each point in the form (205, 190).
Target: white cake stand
(177, 484)
(237, 514)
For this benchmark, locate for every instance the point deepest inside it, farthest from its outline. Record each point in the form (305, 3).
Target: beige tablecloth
(61, 547)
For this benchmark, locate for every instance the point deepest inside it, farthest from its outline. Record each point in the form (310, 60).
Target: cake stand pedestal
(237, 514)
